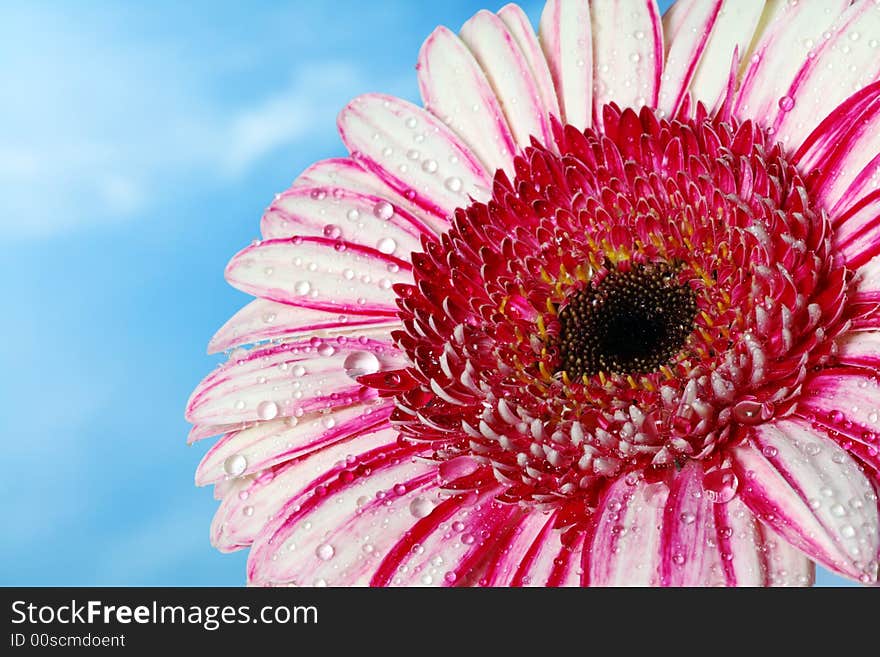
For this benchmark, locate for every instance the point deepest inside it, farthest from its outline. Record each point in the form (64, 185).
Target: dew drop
(786, 103)
(421, 507)
(325, 551)
(298, 370)
(468, 539)
(302, 288)
(453, 184)
(359, 363)
(332, 231)
(430, 166)
(235, 465)
(267, 410)
(460, 466)
(386, 245)
(753, 412)
(720, 485)
(383, 210)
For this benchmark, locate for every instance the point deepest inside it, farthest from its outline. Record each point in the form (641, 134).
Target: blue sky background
(139, 144)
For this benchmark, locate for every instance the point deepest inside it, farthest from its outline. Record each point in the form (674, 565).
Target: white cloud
(101, 126)
(283, 118)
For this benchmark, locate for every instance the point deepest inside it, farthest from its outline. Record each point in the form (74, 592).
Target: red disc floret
(500, 323)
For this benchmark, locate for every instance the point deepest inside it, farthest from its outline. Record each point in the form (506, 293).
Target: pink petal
(785, 566)
(346, 174)
(289, 379)
(781, 46)
(625, 545)
(254, 500)
(709, 544)
(267, 320)
(847, 401)
(355, 217)
(455, 88)
(733, 31)
(857, 234)
(567, 40)
(336, 531)
(688, 26)
(863, 183)
(413, 153)
(322, 274)
(521, 28)
(510, 76)
(269, 443)
(448, 547)
(843, 63)
(853, 154)
(689, 539)
(817, 501)
(531, 554)
(864, 290)
(627, 53)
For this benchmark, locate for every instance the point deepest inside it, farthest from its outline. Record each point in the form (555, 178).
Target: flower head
(605, 311)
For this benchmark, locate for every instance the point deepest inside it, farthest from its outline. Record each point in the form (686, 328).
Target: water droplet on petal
(421, 507)
(332, 231)
(359, 363)
(460, 466)
(267, 410)
(720, 485)
(383, 210)
(753, 412)
(325, 551)
(302, 288)
(453, 184)
(386, 245)
(786, 103)
(235, 465)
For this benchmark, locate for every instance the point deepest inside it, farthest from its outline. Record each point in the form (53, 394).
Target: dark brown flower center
(632, 322)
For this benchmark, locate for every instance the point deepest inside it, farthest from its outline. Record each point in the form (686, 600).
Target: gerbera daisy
(603, 311)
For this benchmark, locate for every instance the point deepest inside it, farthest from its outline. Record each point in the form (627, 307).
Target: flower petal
(689, 538)
(337, 530)
(510, 75)
(267, 320)
(709, 544)
(857, 234)
(785, 565)
(413, 153)
(530, 553)
(843, 62)
(566, 37)
(455, 88)
(625, 545)
(847, 401)
(288, 380)
(733, 31)
(627, 53)
(817, 501)
(854, 154)
(268, 443)
(322, 274)
(521, 29)
(788, 34)
(343, 173)
(252, 501)
(687, 28)
(449, 546)
(355, 217)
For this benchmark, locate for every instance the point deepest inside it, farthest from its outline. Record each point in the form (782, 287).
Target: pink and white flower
(603, 311)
